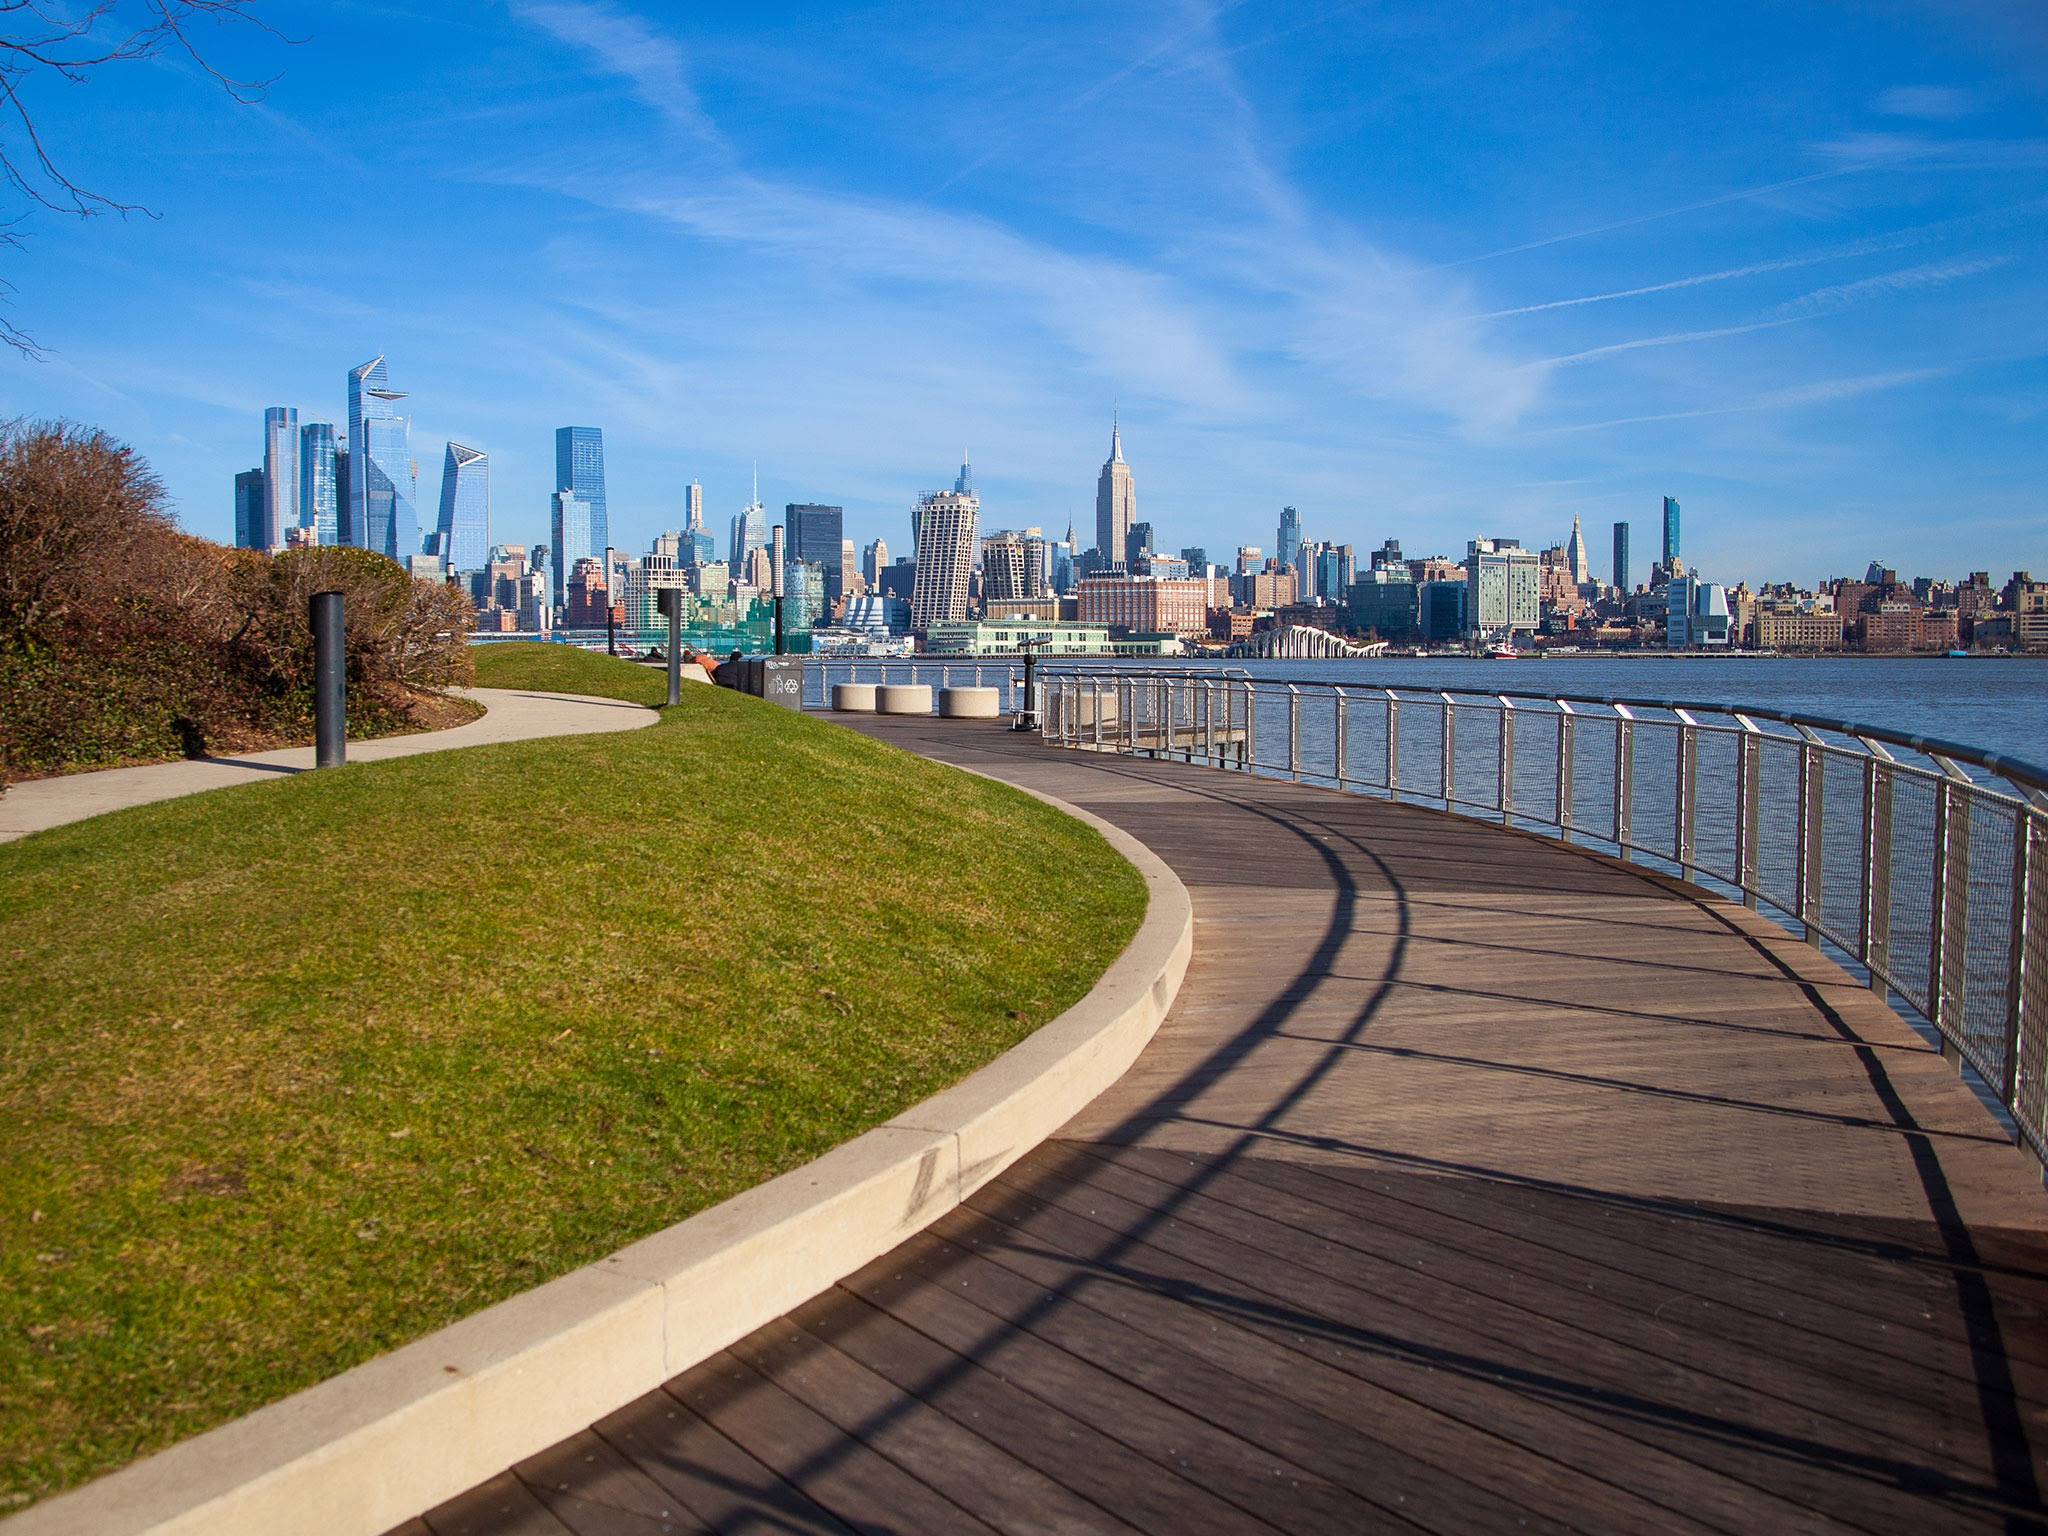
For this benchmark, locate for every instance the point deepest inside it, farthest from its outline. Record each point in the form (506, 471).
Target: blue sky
(1422, 270)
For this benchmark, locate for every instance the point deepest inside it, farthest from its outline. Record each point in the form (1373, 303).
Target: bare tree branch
(41, 39)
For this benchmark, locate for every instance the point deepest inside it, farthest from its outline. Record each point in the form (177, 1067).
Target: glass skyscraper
(817, 536)
(383, 475)
(280, 474)
(1290, 535)
(319, 502)
(249, 509)
(463, 537)
(574, 525)
(1621, 556)
(579, 467)
(1671, 555)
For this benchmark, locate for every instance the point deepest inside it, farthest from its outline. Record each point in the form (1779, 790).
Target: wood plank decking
(1473, 1184)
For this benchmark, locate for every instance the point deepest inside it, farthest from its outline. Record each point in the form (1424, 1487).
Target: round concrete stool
(854, 698)
(903, 699)
(969, 703)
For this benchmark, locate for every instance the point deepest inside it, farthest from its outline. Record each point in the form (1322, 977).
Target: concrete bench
(854, 698)
(903, 698)
(970, 703)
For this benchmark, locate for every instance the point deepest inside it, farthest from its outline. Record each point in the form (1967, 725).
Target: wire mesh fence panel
(1985, 1002)
(1421, 748)
(1843, 836)
(1477, 777)
(1365, 739)
(1595, 739)
(1535, 763)
(1717, 793)
(2030, 985)
(1778, 808)
(1911, 917)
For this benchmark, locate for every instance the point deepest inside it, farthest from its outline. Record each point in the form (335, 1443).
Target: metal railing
(1923, 861)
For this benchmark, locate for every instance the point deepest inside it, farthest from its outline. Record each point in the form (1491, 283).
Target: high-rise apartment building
(1335, 568)
(1012, 568)
(249, 513)
(874, 560)
(463, 537)
(280, 474)
(579, 467)
(816, 536)
(1503, 588)
(1672, 556)
(383, 475)
(1289, 542)
(319, 485)
(1621, 557)
(945, 523)
(1116, 502)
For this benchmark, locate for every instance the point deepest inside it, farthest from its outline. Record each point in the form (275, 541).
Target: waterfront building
(1288, 544)
(817, 536)
(875, 560)
(999, 638)
(1695, 614)
(1503, 588)
(878, 615)
(1145, 604)
(1797, 628)
(463, 536)
(1673, 561)
(945, 522)
(576, 539)
(249, 513)
(383, 475)
(319, 488)
(280, 474)
(1012, 567)
(1575, 557)
(1383, 603)
(579, 467)
(1116, 502)
(1621, 558)
(1440, 611)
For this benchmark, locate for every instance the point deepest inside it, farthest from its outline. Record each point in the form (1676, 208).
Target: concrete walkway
(1474, 1183)
(512, 715)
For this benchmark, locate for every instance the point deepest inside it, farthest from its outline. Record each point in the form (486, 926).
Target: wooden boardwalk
(1474, 1183)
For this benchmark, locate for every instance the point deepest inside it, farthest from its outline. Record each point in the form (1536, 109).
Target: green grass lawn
(295, 1072)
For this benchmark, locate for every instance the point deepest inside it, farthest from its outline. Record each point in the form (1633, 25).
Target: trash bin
(782, 681)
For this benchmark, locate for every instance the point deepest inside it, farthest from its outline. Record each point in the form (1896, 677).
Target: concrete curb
(398, 1435)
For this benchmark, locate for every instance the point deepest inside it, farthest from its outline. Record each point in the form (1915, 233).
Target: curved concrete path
(511, 715)
(1473, 1183)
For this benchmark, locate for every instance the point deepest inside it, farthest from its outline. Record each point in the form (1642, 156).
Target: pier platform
(1474, 1183)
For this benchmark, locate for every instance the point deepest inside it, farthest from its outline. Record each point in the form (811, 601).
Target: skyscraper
(280, 474)
(816, 533)
(1575, 557)
(575, 539)
(873, 560)
(1503, 587)
(693, 508)
(579, 467)
(249, 509)
(319, 487)
(749, 529)
(1137, 545)
(1116, 502)
(1290, 535)
(1621, 556)
(945, 522)
(963, 483)
(1671, 554)
(463, 537)
(383, 475)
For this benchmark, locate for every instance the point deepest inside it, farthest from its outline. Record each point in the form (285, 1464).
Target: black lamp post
(1027, 715)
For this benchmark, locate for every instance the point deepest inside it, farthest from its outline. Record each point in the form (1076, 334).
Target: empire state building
(1116, 504)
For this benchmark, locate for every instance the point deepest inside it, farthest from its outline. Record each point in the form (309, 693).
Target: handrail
(2017, 770)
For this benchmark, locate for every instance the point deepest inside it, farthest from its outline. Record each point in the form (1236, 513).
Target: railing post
(1504, 790)
(1685, 823)
(1949, 909)
(1393, 745)
(1248, 753)
(1448, 763)
(1340, 752)
(1875, 931)
(1567, 722)
(1293, 733)
(1812, 784)
(1624, 779)
(1748, 801)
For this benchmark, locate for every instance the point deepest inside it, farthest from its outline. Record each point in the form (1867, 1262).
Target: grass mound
(293, 1073)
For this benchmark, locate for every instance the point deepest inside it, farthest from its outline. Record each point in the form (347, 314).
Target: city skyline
(1411, 271)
